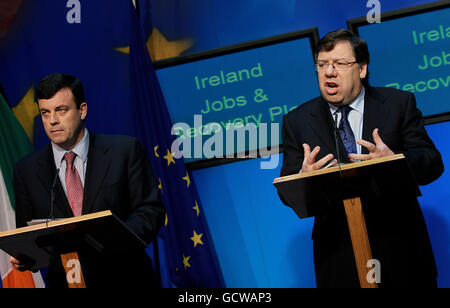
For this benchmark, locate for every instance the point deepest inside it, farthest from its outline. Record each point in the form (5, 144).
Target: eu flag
(188, 248)
(190, 23)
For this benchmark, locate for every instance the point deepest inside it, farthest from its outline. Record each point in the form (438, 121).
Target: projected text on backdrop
(412, 54)
(243, 92)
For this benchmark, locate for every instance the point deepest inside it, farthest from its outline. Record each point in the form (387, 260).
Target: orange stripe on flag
(16, 279)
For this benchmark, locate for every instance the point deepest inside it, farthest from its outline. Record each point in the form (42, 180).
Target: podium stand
(314, 193)
(64, 239)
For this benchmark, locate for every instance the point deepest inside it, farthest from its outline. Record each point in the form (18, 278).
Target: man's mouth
(331, 87)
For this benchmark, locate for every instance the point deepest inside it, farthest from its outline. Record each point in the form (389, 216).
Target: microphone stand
(52, 197)
(336, 140)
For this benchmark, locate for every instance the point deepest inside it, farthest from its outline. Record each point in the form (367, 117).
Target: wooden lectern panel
(74, 273)
(360, 239)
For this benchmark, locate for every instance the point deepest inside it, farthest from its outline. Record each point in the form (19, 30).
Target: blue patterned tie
(347, 136)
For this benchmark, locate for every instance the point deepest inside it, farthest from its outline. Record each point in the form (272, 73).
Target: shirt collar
(81, 149)
(357, 104)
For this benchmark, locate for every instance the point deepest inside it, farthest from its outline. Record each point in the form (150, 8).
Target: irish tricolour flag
(14, 144)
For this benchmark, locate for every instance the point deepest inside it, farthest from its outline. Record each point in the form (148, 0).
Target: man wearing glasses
(372, 122)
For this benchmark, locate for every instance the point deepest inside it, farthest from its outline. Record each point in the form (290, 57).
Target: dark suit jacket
(399, 240)
(118, 178)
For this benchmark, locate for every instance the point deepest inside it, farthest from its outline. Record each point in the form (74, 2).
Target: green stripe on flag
(14, 144)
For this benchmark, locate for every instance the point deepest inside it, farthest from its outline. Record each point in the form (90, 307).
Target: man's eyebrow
(336, 59)
(56, 108)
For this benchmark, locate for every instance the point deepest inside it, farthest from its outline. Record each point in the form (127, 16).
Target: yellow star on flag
(197, 239)
(160, 185)
(187, 179)
(169, 158)
(155, 149)
(166, 221)
(26, 111)
(186, 261)
(196, 208)
(160, 48)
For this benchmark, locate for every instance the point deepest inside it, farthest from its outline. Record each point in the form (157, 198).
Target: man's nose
(330, 70)
(54, 119)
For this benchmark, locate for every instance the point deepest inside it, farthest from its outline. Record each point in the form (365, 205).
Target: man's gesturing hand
(379, 149)
(309, 161)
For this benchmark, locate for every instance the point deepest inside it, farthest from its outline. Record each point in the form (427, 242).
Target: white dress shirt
(355, 116)
(80, 163)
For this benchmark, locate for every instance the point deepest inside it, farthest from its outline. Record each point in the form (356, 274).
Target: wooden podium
(64, 239)
(313, 193)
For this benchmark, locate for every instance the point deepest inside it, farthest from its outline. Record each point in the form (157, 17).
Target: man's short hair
(52, 83)
(360, 48)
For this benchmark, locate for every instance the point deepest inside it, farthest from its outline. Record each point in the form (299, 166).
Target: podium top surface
(317, 192)
(55, 223)
(89, 234)
(334, 169)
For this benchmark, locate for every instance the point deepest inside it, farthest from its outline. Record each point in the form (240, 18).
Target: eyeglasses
(337, 66)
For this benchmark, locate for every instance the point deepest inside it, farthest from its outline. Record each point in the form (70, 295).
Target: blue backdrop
(259, 242)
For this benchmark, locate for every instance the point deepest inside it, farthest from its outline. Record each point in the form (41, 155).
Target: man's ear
(363, 70)
(83, 110)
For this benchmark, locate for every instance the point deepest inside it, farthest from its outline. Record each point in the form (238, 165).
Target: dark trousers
(335, 267)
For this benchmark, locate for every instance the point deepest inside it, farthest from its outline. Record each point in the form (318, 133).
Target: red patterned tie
(74, 186)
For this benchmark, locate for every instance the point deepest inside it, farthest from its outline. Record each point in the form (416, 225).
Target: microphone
(52, 196)
(336, 139)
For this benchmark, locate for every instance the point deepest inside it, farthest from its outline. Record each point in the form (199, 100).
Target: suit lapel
(46, 172)
(46, 169)
(374, 117)
(322, 124)
(97, 168)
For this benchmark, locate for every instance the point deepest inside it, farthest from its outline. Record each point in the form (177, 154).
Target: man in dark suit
(373, 122)
(96, 173)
